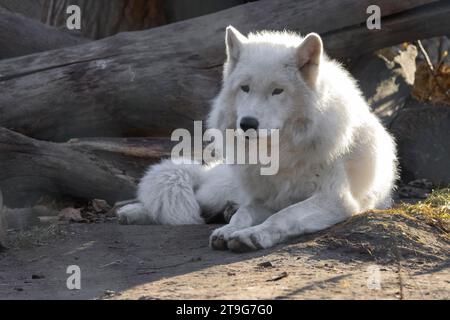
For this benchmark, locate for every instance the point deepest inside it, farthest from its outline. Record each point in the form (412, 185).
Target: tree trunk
(93, 168)
(28, 8)
(149, 83)
(2, 224)
(20, 36)
(103, 18)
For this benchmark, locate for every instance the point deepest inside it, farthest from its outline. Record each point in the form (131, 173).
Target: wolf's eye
(276, 92)
(246, 89)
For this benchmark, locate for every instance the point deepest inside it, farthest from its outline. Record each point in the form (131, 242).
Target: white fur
(336, 159)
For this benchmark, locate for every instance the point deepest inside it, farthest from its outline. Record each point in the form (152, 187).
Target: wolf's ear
(234, 41)
(309, 56)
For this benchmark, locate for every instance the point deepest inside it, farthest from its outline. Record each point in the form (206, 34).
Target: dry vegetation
(435, 210)
(432, 79)
(432, 86)
(416, 232)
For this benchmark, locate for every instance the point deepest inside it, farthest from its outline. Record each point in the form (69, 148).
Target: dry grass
(432, 86)
(434, 211)
(36, 236)
(432, 79)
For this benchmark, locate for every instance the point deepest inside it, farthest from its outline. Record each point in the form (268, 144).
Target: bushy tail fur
(177, 194)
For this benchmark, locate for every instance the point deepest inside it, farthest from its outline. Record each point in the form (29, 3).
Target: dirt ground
(372, 256)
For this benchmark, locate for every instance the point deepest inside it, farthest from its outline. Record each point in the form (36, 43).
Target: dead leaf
(71, 214)
(432, 86)
(100, 206)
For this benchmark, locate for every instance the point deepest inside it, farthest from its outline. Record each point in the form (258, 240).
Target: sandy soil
(372, 256)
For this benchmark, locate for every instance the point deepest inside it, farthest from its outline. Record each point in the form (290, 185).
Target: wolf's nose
(249, 123)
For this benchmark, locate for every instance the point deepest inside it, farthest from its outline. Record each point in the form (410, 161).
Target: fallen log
(2, 225)
(103, 18)
(20, 36)
(148, 83)
(418, 23)
(28, 8)
(83, 168)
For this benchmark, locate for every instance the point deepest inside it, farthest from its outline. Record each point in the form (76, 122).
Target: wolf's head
(269, 82)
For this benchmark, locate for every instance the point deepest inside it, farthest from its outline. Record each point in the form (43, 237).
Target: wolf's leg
(245, 216)
(319, 212)
(219, 188)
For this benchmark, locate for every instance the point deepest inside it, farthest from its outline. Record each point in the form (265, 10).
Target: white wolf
(336, 159)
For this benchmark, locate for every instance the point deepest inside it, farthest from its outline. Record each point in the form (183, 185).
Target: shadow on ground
(159, 262)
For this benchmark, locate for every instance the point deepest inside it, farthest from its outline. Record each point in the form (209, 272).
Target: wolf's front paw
(249, 239)
(219, 237)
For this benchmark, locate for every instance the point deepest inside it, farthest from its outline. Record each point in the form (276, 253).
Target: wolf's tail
(178, 194)
(167, 193)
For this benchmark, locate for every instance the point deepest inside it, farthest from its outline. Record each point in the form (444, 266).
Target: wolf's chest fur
(288, 186)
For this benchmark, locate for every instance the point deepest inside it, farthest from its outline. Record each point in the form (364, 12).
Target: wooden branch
(149, 83)
(20, 36)
(84, 168)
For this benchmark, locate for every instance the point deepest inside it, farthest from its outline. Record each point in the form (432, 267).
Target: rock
(422, 132)
(110, 294)
(386, 79)
(416, 189)
(265, 264)
(422, 184)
